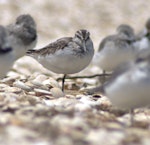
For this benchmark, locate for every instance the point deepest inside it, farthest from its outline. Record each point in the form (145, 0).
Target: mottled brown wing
(52, 47)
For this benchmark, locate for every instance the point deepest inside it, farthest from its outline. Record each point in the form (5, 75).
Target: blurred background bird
(7, 55)
(22, 34)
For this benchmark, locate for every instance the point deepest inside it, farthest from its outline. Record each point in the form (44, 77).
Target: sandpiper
(22, 34)
(67, 55)
(129, 85)
(143, 41)
(6, 53)
(116, 49)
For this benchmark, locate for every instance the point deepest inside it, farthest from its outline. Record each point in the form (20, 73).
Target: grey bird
(7, 56)
(67, 55)
(116, 49)
(143, 40)
(22, 35)
(129, 85)
(145, 31)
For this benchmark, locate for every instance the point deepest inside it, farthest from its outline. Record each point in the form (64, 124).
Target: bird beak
(84, 46)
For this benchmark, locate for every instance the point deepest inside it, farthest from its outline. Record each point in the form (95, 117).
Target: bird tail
(31, 52)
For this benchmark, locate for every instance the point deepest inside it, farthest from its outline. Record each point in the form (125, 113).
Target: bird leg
(83, 77)
(63, 81)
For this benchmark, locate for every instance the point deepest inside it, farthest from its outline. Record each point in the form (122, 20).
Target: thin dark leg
(63, 81)
(83, 77)
(132, 116)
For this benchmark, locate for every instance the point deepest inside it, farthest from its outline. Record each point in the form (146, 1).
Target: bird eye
(78, 35)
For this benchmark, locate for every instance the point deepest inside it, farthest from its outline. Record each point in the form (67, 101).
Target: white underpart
(142, 44)
(65, 61)
(6, 62)
(19, 48)
(130, 90)
(111, 57)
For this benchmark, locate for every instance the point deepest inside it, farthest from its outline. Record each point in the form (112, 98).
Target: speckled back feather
(52, 47)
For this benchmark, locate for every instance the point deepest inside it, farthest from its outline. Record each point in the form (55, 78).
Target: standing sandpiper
(66, 55)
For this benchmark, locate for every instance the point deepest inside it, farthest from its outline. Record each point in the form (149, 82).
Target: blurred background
(56, 19)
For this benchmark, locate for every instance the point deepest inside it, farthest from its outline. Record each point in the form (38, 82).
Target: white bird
(66, 55)
(116, 49)
(7, 56)
(22, 35)
(143, 41)
(129, 85)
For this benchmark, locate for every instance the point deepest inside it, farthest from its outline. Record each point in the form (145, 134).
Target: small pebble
(22, 85)
(39, 80)
(14, 90)
(40, 92)
(51, 83)
(9, 80)
(82, 107)
(57, 92)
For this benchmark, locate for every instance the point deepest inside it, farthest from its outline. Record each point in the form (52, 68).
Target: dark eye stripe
(82, 34)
